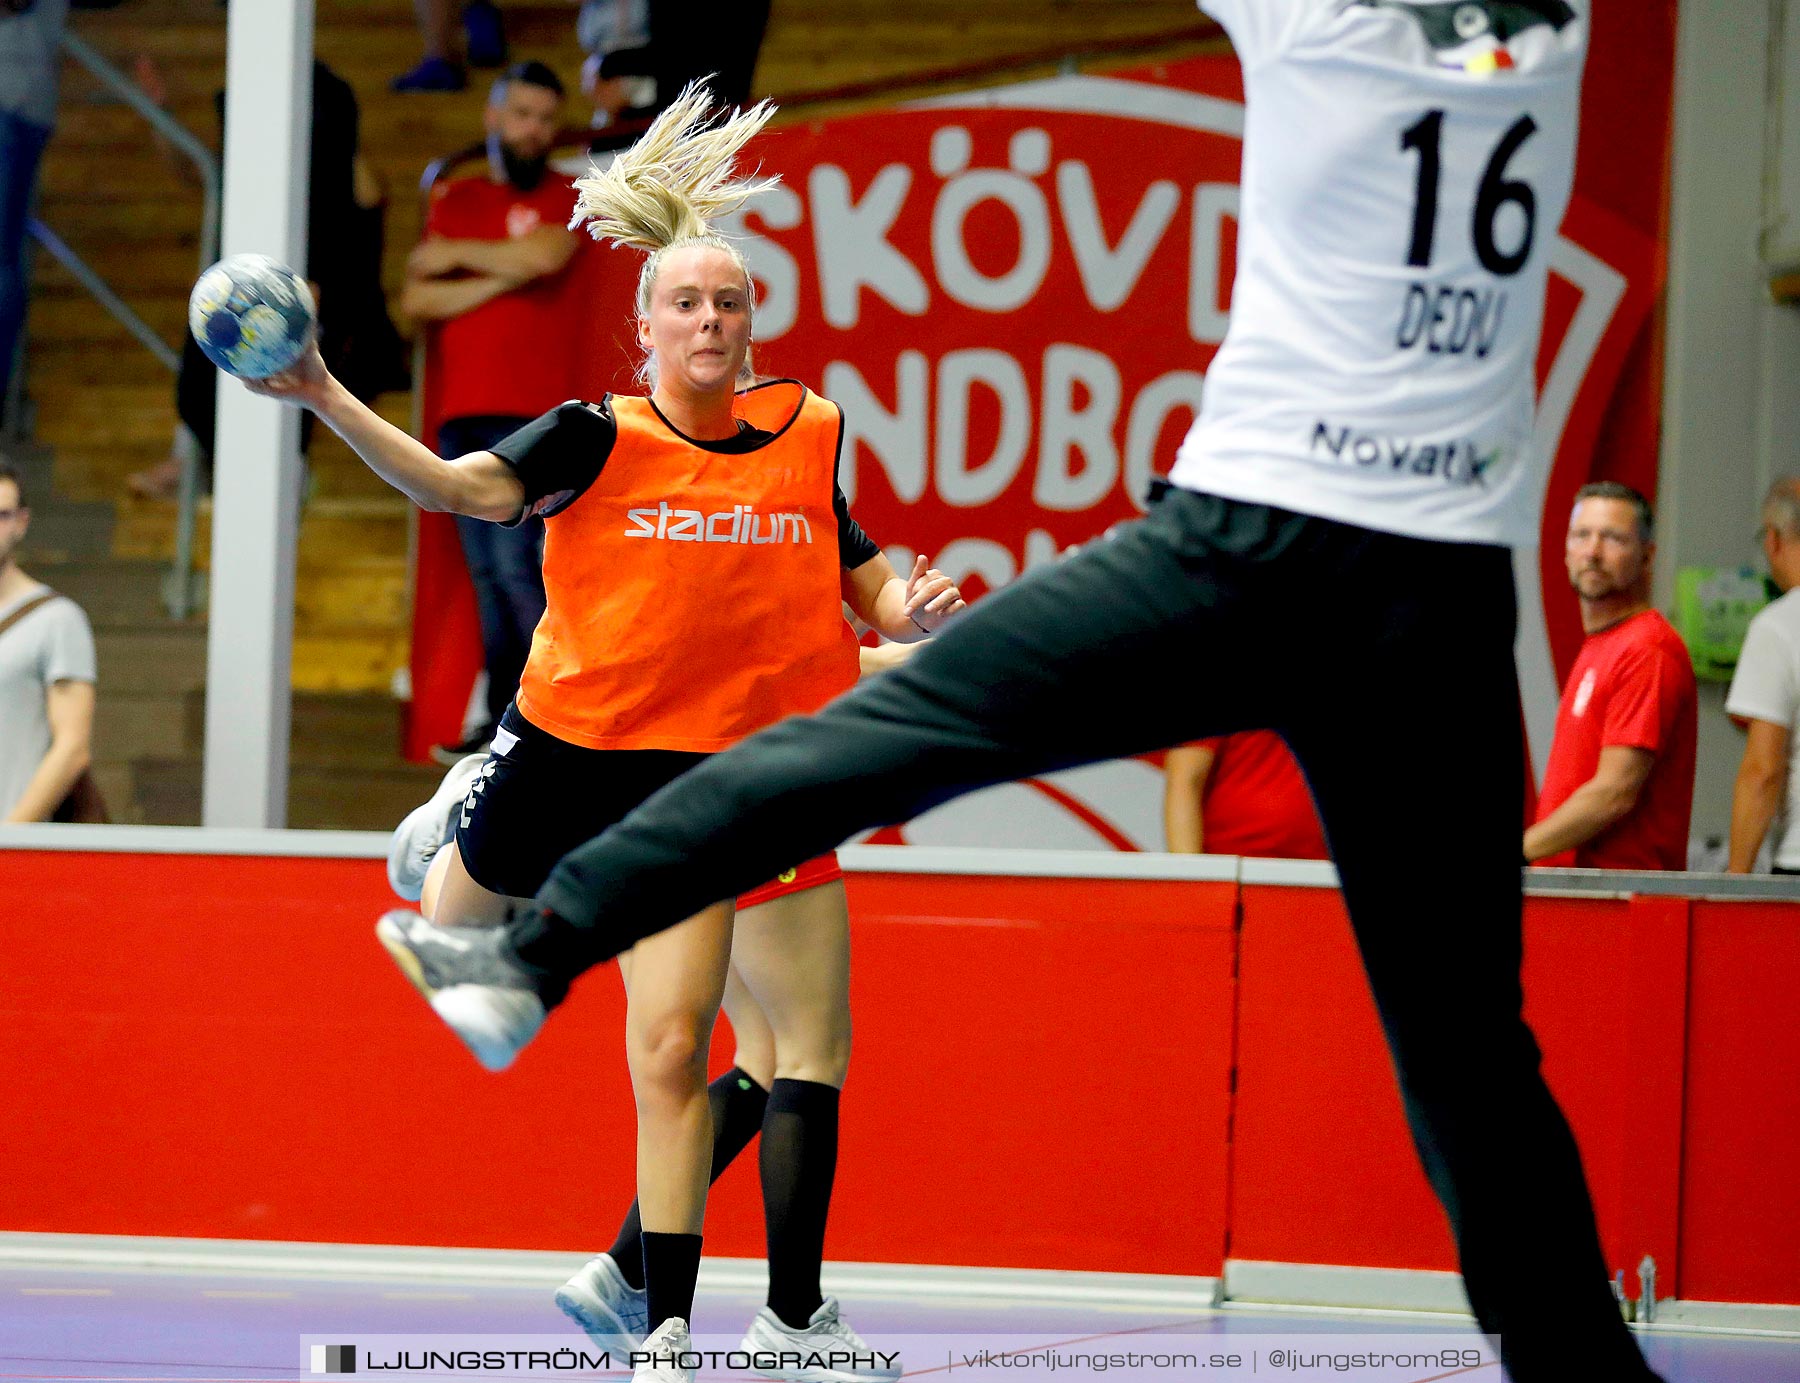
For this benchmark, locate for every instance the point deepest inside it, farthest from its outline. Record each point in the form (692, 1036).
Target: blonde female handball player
(694, 597)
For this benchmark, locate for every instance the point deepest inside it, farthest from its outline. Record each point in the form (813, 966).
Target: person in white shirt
(1764, 700)
(1339, 517)
(46, 678)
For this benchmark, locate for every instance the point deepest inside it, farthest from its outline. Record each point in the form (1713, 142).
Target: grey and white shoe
(613, 1312)
(427, 829)
(825, 1350)
(472, 980)
(667, 1356)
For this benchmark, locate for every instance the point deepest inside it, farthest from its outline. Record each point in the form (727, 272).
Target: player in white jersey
(1363, 456)
(1401, 191)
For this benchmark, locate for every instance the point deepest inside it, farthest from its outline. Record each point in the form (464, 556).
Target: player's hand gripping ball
(252, 316)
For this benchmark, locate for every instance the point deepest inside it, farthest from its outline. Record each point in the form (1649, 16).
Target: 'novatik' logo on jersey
(1456, 461)
(738, 524)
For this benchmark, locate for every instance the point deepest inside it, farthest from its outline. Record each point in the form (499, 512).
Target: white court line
(65, 1291)
(246, 1295)
(428, 1296)
(401, 1268)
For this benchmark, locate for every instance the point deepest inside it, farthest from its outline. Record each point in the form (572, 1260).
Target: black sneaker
(432, 74)
(478, 743)
(472, 980)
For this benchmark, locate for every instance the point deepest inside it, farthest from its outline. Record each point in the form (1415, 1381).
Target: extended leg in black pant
(1427, 849)
(1387, 662)
(1086, 660)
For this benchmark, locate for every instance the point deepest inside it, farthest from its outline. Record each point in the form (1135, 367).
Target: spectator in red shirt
(484, 278)
(1620, 783)
(1239, 794)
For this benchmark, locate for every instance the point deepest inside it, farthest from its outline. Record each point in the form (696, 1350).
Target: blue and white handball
(252, 316)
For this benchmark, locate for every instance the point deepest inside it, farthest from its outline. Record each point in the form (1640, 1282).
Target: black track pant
(1386, 662)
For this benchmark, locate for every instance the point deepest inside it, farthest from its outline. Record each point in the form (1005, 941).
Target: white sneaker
(472, 980)
(669, 1351)
(613, 1312)
(418, 839)
(827, 1350)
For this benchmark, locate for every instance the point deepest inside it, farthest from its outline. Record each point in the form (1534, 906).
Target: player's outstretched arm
(480, 485)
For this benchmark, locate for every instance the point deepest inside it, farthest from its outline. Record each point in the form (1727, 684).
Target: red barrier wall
(1043, 1073)
(213, 1047)
(1740, 1205)
(1324, 1170)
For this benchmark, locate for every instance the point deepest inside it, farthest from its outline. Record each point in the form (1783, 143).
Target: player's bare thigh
(451, 898)
(793, 954)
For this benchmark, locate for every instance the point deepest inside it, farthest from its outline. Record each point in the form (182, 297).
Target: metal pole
(256, 486)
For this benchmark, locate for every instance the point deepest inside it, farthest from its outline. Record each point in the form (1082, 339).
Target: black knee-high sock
(671, 1267)
(799, 1161)
(737, 1113)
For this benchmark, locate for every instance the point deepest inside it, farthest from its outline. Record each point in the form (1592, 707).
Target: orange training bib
(694, 596)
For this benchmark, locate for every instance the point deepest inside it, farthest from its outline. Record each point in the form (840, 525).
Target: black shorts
(540, 797)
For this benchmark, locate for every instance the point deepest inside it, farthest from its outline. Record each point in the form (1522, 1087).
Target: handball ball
(253, 317)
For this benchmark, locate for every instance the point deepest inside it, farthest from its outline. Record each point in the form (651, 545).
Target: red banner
(1015, 294)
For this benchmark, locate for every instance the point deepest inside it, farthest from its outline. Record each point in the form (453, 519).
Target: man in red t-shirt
(1239, 795)
(1619, 787)
(485, 280)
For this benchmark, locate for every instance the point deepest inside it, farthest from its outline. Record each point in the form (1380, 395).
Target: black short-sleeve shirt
(559, 455)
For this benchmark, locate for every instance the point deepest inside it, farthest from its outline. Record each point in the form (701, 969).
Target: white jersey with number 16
(1406, 167)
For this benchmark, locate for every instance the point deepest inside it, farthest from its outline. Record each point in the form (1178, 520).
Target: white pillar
(256, 485)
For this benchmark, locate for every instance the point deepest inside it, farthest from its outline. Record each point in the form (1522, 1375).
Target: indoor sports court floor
(68, 1322)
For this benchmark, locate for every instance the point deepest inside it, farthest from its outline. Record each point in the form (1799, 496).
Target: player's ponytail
(676, 181)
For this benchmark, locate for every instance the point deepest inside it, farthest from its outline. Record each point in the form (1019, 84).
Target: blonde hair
(667, 190)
